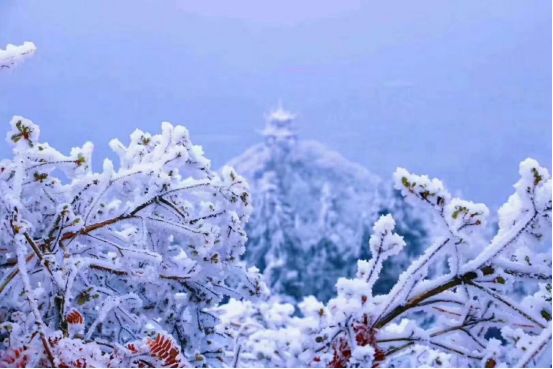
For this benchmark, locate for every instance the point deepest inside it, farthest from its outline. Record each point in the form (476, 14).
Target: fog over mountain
(386, 84)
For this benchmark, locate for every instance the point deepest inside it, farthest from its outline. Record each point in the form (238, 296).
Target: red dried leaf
(79, 363)
(75, 317)
(164, 349)
(15, 358)
(132, 348)
(364, 335)
(342, 354)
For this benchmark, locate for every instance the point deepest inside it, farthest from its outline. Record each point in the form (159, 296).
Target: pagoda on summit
(280, 127)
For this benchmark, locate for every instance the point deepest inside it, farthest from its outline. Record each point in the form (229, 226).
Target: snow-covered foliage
(416, 227)
(118, 267)
(138, 265)
(14, 54)
(471, 313)
(312, 204)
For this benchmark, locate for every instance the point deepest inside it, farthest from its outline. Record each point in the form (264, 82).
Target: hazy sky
(460, 90)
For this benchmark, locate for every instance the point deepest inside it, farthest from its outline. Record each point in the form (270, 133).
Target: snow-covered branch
(450, 307)
(14, 54)
(118, 267)
(139, 265)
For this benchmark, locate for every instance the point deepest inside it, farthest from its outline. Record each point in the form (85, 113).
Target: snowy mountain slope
(314, 179)
(313, 210)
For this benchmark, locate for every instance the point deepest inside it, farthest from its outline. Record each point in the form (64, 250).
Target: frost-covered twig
(460, 287)
(542, 341)
(153, 243)
(13, 54)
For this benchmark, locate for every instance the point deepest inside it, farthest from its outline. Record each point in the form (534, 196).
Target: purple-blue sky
(460, 90)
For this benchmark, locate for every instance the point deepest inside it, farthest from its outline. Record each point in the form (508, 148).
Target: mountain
(313, 211)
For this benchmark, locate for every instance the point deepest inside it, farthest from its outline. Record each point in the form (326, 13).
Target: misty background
(460, 90)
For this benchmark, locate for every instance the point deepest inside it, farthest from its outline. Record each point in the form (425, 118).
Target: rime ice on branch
(490, 306)
(12, 54)
(118, 267)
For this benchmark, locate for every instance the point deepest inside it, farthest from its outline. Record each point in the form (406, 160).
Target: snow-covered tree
(312, 204)
(468, 314)
(118, 267)
(14, 54)
(275, 238)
